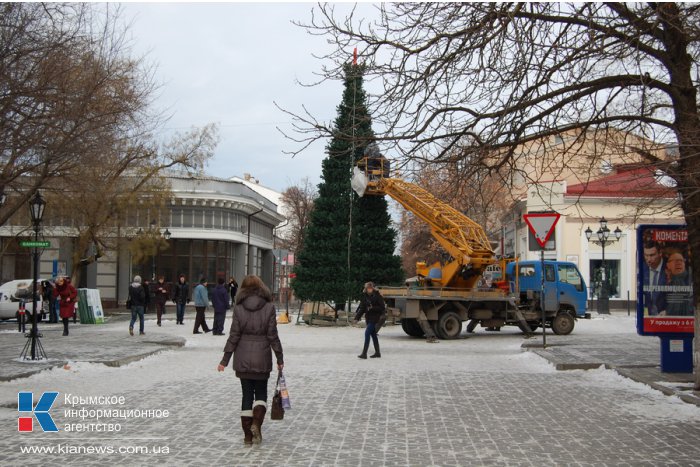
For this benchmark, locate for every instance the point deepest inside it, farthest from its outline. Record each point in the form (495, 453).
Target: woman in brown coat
(252, 339)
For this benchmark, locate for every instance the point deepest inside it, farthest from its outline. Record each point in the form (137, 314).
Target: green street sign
(34, 244)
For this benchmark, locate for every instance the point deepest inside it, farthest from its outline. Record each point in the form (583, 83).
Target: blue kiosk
(665, 304)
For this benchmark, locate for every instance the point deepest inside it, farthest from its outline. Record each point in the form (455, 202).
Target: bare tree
(298, 202)
(76, 121)
(481, 197)
(98, 195)
(499, 77)
(69, 91)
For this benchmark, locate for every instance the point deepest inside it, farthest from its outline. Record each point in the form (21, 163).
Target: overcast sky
(226, 64)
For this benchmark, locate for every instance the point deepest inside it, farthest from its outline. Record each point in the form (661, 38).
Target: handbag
(128, 303)
(381, 321)
(277, 411)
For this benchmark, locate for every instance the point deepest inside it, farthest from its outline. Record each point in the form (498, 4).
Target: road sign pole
(542, 224)
(544, 315)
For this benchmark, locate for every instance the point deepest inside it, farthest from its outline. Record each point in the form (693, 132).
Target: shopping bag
(284, 393)
(277, 411)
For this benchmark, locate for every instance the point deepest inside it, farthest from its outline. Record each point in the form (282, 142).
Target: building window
(176, 217)
(187, 217)
(612, 268)
(198, 219)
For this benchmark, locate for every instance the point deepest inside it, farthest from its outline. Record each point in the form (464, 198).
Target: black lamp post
(603, 235)
(33, 345)
(166, 235)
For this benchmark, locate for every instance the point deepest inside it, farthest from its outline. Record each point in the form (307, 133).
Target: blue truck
(513, 300)
(565, 292)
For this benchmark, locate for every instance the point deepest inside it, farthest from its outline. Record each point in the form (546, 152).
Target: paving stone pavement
(633, 356)
(109, 345)
(476, 401)
(585, 351)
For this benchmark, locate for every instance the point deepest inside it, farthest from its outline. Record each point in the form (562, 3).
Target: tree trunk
(687, 128)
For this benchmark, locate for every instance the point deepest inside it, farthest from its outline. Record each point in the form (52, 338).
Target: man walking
(162, 294)
(201, 301)
(219, 300)
(373, 307)
(137, 297)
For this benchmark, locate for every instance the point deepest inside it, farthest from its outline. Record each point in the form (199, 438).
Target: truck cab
(565, 288)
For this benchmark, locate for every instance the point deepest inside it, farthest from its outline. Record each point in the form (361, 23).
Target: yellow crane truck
(444, 295)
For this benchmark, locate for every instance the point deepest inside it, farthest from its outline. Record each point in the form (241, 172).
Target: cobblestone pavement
(107, 344)
(583, 350)
(474, 401)
(633, 356)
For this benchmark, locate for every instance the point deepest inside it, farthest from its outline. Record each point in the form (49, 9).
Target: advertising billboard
(665, 302)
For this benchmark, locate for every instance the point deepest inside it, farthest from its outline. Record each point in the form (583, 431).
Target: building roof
(627, 181)
(266, 192)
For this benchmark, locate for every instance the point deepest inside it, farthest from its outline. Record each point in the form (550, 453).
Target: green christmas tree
(322, 270)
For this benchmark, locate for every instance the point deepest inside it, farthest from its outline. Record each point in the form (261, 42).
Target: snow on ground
(309, 348)
(476, 400)
(306, 348)
(640, 399)
(614, 323)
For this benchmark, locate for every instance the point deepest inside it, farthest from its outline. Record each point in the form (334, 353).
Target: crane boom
(461, 237)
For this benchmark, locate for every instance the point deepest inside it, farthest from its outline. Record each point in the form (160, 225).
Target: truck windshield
(570, 275)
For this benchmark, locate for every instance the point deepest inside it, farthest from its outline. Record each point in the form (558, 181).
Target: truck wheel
(563, 324)
(449, 325)
(411, 327)
(472, 325)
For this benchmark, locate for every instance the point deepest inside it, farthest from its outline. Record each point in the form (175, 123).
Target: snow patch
(644, 401)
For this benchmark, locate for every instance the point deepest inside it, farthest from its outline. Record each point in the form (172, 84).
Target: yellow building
(627, 195)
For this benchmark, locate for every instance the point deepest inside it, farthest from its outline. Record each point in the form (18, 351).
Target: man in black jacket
(373, 307)
(137, 296)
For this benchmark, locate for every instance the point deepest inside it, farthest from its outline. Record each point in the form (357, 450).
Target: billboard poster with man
(665, 302)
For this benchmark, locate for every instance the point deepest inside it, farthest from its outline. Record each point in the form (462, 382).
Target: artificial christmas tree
(341, 221)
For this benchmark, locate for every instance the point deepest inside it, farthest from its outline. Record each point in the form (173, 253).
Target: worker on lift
(374, 164)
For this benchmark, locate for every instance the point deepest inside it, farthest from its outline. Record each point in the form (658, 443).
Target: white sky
(226, 63)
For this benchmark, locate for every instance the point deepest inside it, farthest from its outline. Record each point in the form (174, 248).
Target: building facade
(628, 196)
(217, 228)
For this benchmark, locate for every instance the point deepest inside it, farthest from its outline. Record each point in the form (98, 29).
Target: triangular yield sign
(541, 224)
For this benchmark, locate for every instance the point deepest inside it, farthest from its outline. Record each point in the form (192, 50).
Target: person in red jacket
(68, 295)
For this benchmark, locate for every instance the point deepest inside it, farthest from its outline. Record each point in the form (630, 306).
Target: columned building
(217, 228)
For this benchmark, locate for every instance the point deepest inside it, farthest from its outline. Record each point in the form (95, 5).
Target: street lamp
(603, 238)
(33, 345)
(166, 235)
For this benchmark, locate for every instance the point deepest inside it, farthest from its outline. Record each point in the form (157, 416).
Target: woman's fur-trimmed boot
(259, 410)
(246, 423)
